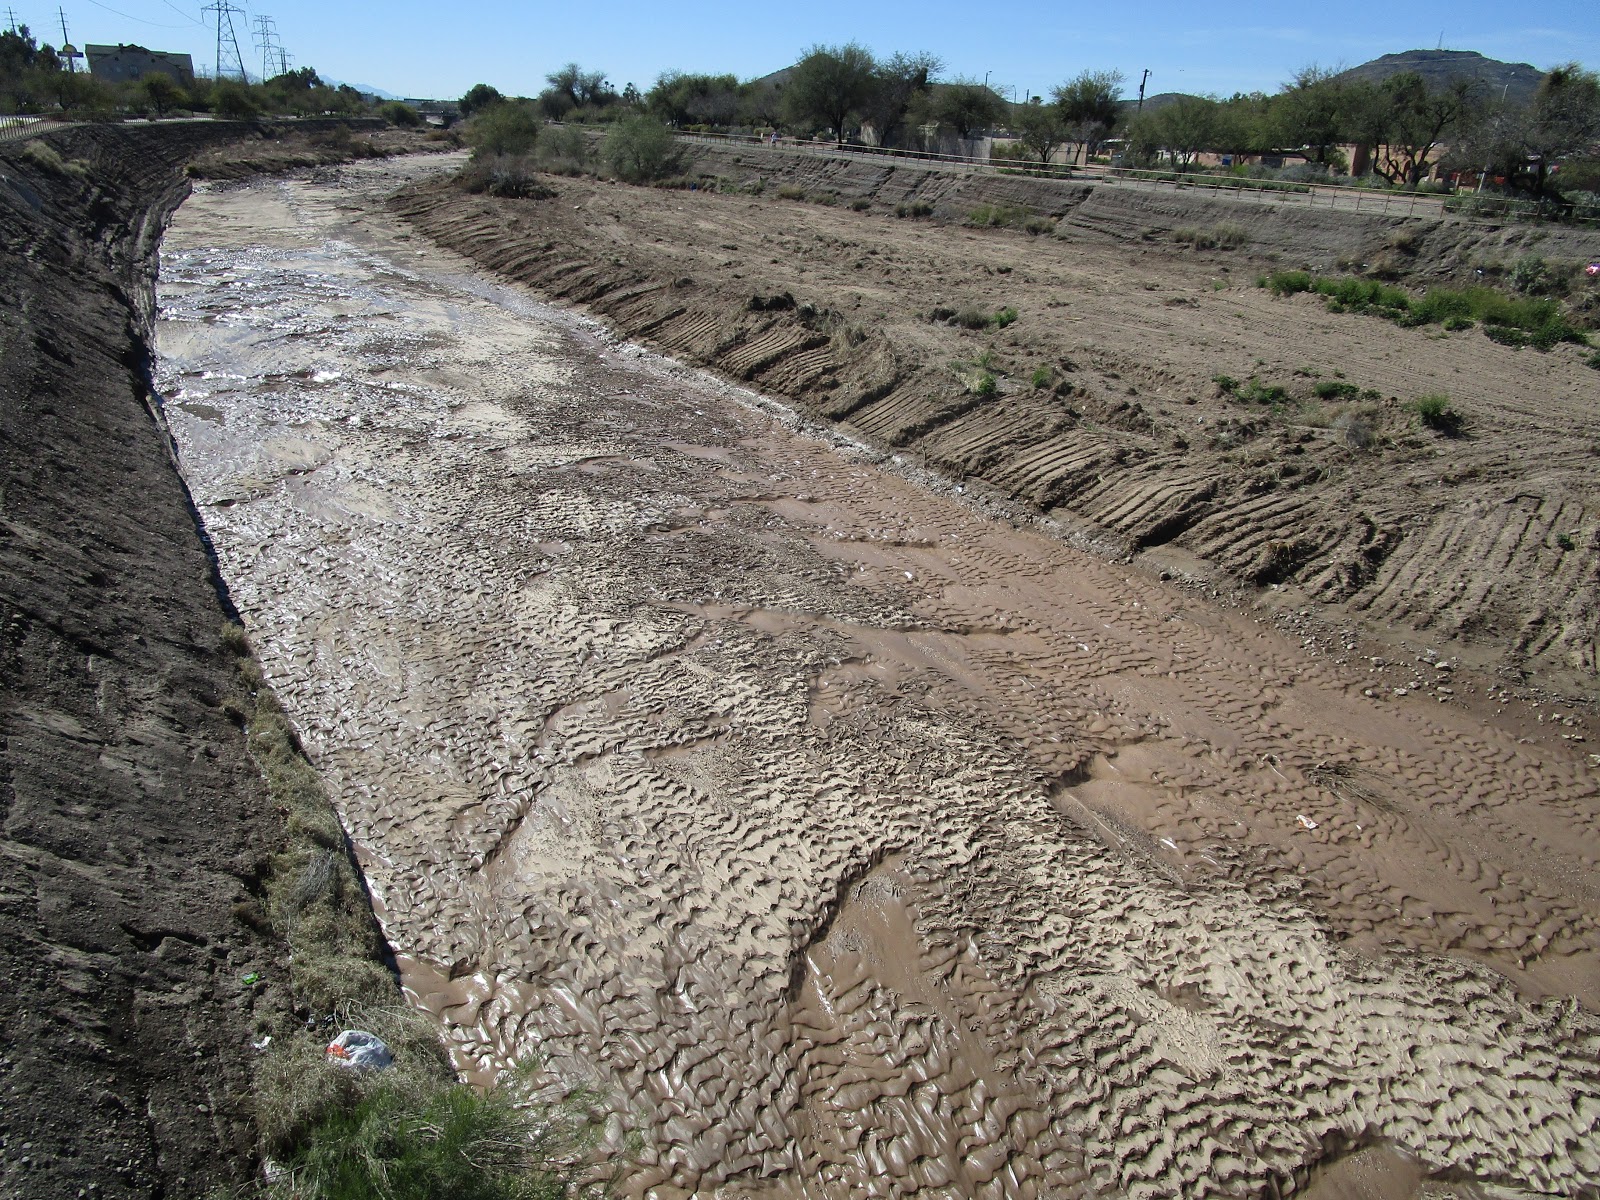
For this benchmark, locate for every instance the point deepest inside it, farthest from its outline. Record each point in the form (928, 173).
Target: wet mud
(842, 838)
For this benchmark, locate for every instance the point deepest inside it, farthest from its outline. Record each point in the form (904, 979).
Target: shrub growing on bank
(1510, 320)
(641, 149)
(506, 129)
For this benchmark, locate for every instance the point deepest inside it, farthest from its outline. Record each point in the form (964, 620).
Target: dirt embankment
(134, 818)
(1103, 411)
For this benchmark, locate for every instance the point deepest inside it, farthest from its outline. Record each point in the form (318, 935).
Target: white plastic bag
(359, 1050)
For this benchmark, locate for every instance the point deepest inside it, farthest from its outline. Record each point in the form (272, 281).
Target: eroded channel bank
(134, 819)
(842, 840)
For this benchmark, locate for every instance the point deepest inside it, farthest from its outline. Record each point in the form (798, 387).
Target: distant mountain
(1516, 81)
(364, 88)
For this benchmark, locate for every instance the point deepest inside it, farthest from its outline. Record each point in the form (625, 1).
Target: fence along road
(1366, 200)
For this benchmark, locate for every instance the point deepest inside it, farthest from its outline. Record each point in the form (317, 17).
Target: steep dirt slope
(1104, 413)
(133, 817)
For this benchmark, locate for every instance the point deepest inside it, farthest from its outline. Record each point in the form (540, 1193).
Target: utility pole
(1142, 82)
(11, 20)
(229, 60)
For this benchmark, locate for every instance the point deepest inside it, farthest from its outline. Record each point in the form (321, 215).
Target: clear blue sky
(441, 49)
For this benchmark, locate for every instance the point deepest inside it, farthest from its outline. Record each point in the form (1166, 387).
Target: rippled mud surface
(846, 840)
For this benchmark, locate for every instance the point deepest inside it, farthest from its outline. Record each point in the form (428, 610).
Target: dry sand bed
(846, 840)
(1491, 540)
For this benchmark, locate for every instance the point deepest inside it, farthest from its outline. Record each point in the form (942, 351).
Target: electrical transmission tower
(229, 60)
(271, 54)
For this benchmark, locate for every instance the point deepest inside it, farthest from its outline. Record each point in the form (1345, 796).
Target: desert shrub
(1434, 411)
(860, 204)
(1287, 283)
(503, 130)
(1253, 391)
(1528, 274)
(998, 216)
(401, 115)
(914, 208)
(1334, 389)
(986, 385)
(640, 149)
(508, 176)
(1226, 384)
(1039, 225)
(1354, 430)
(1566, 541)
(564, 151)
(971, 318)
(1006, 316)
(1505, 335)
(1457, 324)
(1537, 321)
(1594, 360)
(1041, 377)
(826, 199)
(790, 192)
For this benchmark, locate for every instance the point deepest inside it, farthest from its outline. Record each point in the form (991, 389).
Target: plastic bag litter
(360, 1050)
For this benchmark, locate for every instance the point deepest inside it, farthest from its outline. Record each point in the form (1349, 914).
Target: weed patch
(915, 208)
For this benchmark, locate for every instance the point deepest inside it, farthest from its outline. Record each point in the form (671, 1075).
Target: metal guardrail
(18, 127)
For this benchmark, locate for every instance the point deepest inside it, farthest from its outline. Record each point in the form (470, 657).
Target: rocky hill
(1516, 81)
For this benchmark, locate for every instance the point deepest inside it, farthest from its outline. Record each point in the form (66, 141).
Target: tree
(1419, 118)
(1186, 127)
(505, 128)
(829, 86)
(1041, 128)
(1091, 104)
(233, 101)
(162, 92)
(897, 83)
(1527, 145)
(1243, 125)
(680, 99)
(967, 106)
(1311, 112)
(479, 96)
(580, 87)
(640, 149)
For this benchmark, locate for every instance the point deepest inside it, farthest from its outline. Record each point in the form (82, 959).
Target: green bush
(1435, 412)
(1254, 391)
(1594, 360)
(641, 149)
(860, 204)
(1333, 389)
(971, 318)
(233, 101)
(564, 150)
(1226, 384)
(914, 208)
(1041, 377)
(401, 115)
(508, 129)
(986, 385)
(1510, 320)
(1006, 316)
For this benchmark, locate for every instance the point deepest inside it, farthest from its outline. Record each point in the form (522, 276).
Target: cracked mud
(844, 839)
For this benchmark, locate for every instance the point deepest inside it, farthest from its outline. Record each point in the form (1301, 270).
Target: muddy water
(845, 840)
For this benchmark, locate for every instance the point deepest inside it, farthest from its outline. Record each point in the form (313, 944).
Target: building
(124, 64)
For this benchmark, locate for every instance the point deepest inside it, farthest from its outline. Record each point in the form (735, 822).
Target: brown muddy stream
(845, 839)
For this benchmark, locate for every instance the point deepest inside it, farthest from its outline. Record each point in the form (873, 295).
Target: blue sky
(440, 49)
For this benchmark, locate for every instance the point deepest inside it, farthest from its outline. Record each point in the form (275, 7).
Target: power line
(130, 17)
